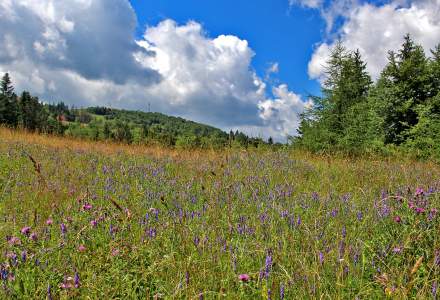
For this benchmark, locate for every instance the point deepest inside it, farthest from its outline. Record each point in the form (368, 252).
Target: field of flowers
(85, 220)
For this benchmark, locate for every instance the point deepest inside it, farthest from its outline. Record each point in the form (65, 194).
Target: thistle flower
(244, 277)
(82, 248)
(14, 241)
(397, 219)
(33, 236)
(87, 206)
(94, 223)
(49, 222)
(25, 230)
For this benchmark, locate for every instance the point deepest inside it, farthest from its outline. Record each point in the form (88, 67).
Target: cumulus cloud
(84, 52)
(282, 113)
(93, 38)
(376, 29)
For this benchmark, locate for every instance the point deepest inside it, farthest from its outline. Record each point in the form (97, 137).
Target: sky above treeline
(241, 65)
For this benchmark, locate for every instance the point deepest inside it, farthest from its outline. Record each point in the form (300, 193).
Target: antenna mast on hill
(149, 107)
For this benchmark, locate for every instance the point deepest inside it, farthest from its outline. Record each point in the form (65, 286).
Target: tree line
(103, 123)
(398, 112)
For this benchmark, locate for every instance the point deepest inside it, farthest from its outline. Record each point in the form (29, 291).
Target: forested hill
(103, 123)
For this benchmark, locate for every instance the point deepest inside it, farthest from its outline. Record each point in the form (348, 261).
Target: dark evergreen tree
(404, 84)
(8, 102)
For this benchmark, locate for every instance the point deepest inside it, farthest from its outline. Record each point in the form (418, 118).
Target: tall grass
(94, 220)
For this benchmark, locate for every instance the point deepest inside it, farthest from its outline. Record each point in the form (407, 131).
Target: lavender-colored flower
(282, 291)
(397, 249)
(23, 256)
(269, 294)
(63, 228)
(321, 257)
(187, 277)
(49, 293)
(76, 280)
(196, 241)
(434, 290)
(360, 216)
(268, 265)
(344, 231)
(437, 258)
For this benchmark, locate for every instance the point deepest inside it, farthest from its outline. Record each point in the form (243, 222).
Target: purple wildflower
(268, 265)
(63, 228)
(49, 293)
(282, 291)
(76, 280)
(321, 257)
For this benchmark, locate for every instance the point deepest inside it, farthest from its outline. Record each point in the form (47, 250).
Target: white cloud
(84, 53)
(307, 3)
(376, 29)
(282, 113)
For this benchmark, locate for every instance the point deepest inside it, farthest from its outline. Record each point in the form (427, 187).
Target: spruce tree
(404, 85)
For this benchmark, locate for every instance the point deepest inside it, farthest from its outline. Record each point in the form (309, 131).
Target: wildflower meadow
(83, 220)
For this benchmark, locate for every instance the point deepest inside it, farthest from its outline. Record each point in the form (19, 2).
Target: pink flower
(26, 230)
(420, 210)
(397, 219)
(93, 223)
(115, 252)
(49, 222)
(419, 191)
(82, 248)
(87, 206)
(244, 277)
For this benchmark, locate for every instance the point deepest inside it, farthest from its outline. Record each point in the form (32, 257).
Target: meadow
(85, 220)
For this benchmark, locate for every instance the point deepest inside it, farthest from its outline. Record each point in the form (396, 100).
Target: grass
(140, 222)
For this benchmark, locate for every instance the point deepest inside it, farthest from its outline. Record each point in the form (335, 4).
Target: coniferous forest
(400, 111)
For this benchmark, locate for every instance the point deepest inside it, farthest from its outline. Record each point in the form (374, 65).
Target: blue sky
(202, 60)
(274, 30)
